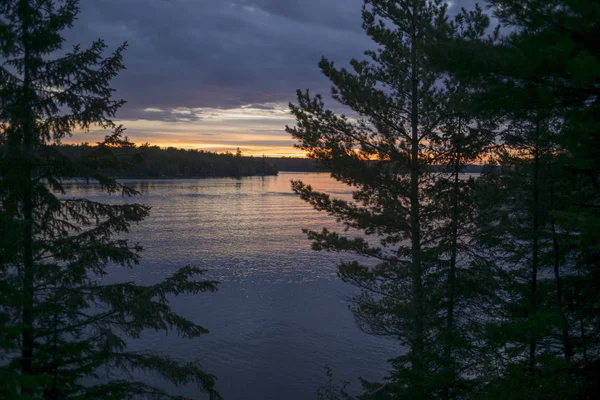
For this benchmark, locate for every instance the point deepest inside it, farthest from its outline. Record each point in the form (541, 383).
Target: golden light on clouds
(257, 129)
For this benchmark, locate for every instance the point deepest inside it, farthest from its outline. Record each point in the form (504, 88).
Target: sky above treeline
(219, 74)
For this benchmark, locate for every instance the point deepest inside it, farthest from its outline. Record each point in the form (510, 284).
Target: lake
(280, 314)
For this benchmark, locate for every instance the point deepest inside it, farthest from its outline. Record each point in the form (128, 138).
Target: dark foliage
(487, 282)
(148, 161)
(63, 330)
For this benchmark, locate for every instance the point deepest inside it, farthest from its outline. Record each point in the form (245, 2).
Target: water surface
(280, 315)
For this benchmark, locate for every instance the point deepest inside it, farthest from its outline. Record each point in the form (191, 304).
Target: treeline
(296, 164)
(147, 161)
(489, 283)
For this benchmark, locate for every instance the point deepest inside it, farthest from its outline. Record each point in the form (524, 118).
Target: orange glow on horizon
(256, 151)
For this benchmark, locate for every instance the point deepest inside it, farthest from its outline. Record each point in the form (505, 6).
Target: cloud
(200, 68)
(250, 126)
(220, 53)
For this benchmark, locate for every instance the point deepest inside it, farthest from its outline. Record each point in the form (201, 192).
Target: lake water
(280, 314)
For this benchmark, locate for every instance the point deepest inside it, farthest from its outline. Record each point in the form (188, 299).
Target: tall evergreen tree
(60, 324)
(542, 79)
(517, 230)
(463, 137)
(402, 155)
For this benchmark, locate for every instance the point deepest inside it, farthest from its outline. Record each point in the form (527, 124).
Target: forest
(146, 161)
(488, 281)
(491, 281)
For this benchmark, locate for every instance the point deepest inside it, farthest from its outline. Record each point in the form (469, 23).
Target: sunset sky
(218, 74)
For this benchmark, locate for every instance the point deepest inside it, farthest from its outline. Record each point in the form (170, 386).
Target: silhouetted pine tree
(542, 78)
(464, 136)
(60, 325)
(529, 329)
(402, 154)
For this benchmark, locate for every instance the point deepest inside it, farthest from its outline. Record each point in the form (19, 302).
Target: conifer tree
(520, 238)
(61, 326)
(464, 136)
(542, 79)
(401, 154)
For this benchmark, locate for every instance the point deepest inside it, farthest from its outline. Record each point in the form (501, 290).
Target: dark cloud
(262, 107)
(341, 15)
(221, 53)
(168, 115)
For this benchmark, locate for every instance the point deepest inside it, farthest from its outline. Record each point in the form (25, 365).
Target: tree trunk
(416, 272)
(535, 251)
(559, 298)
(450, 372)
(583, 340)
(27, 122)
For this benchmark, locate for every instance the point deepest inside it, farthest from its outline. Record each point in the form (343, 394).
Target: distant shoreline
(167, 178)
(297, 164)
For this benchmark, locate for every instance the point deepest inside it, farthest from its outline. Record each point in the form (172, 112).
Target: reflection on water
(280, 315)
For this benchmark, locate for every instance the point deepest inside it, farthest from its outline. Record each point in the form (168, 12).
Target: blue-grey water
(280, 314)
